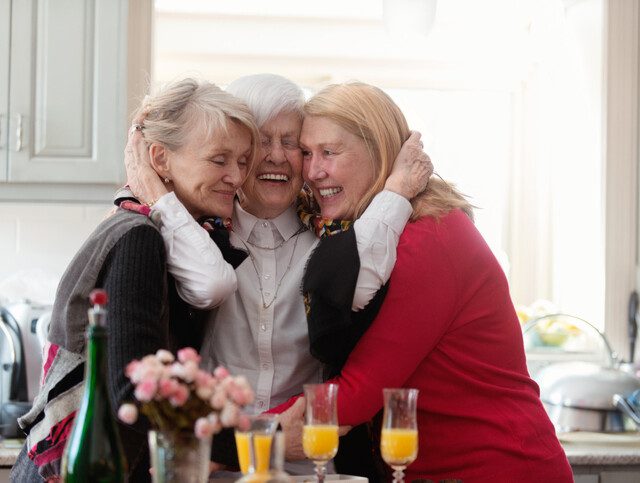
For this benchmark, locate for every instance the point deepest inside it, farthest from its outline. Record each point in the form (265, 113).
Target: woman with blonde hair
(443, 324)
(202, 142)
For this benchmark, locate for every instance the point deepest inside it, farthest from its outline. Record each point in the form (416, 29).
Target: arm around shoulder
(203, 278)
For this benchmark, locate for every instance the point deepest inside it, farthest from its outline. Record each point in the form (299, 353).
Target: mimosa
(399, 441)
(399, 446)
(261, 451)
(320, 442)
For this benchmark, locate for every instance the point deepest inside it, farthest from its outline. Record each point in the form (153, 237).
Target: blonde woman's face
(337, 167)
(207, 171)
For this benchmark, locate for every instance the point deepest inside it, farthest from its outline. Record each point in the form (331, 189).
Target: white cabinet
(63, 94)
(5, 36)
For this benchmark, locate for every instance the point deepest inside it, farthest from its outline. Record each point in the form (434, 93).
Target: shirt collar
(286, 223)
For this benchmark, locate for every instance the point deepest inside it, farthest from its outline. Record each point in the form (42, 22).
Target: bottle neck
(96, 369)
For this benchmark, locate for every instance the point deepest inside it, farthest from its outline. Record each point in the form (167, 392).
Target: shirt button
(261, 403)
(265, 224)
(172, 202)
(267, 293)
(267, 276)
(263, 327)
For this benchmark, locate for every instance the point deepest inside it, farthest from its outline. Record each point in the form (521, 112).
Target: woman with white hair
(201, 141)
(260, 330)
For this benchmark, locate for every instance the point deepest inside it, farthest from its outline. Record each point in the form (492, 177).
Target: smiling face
(337, 167)
(206, 171)
(277, 178)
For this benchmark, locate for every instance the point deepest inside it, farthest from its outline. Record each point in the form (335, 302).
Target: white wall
(44, 236)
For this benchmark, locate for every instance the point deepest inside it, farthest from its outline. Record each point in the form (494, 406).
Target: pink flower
(190, 371)
(229, 415)
(167, 387)
(188, 354)
(131, 369)
(165, 356)
(128, 413)
(219, 398)
(203, 378)
(203, 428)
(180, 396)
(187, 371)
(204, 392)
(221, 372)
(146, 389)
(214, 420)
(148, 367)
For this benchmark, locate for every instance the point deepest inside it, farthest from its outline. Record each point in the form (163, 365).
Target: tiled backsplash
(44, 236)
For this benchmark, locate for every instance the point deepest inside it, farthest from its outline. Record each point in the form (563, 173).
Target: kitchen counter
(9, 450)
(585, 451)
(603, 457)
(585, 448)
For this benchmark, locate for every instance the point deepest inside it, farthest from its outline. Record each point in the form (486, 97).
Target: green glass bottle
(94, 452)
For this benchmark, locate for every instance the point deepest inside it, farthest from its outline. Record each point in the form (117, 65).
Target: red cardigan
(448, 328)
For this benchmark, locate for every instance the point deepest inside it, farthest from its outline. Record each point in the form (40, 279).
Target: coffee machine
(20, 361)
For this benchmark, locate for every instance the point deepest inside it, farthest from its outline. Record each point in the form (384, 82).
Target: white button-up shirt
(270, 346)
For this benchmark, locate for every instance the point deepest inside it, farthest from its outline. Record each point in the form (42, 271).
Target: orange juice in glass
(399, 446)
(261, 432)
(399, 438)
(320, 431)
(320, 441)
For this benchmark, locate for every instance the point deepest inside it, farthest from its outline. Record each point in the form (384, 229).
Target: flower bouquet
(185, 407)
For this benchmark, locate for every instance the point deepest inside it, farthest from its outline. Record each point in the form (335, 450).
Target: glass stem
(398, 474)
(321, 469)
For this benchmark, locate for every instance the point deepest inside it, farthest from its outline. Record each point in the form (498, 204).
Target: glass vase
(178, 456)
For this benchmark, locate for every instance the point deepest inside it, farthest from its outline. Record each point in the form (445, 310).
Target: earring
(166, 180)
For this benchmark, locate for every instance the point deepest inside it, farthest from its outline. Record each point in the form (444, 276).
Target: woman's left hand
(292, 421)
(411, 169)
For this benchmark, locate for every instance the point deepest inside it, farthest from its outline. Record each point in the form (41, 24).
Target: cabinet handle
(19, 133)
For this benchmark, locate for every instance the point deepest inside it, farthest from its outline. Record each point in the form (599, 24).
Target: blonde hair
(370, 114)
(172, 113)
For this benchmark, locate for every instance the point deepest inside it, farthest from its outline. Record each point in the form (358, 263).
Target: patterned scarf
(125, 199)
(308, 211)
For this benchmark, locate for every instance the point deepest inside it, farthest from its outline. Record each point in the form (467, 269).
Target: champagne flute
(320, 432)
(399, 439)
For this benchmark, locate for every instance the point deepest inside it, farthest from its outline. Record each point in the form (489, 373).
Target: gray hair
(177, 108)
(268, 95)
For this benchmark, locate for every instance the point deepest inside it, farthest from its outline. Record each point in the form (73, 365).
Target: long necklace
(266, 305)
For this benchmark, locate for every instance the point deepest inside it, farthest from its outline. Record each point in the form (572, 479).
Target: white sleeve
(377, 234)
(203, 278)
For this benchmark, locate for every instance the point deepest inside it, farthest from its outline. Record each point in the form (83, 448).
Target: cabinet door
(67, 91)
(5, 10)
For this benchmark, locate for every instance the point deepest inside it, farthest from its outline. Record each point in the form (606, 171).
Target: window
(507, 95)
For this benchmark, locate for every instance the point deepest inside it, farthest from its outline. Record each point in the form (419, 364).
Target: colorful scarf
(125, 199)
(308, 211)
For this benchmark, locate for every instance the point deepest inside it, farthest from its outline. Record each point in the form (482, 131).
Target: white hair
(268, 95)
